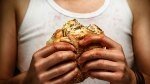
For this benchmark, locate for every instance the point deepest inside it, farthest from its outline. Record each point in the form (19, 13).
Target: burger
(71, 32)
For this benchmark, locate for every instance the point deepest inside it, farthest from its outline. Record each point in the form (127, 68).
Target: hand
(107, 63)
(53, 64)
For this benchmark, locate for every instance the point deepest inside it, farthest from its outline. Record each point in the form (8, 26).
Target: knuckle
(41, 77)
(49, 82)
(71, 66)
(70, 53)
(69, 45)
(122, 59)
(46, 83)
(86, 54)
(123, 67)
(96, 52)
(120, 55)
(38, 65)
(76, 70)
(82, 57)
(64, 45)
(120, 77)
(55, 46)
(62, 70)
(65, 68)
(59, 55)
(61, 80)
(119, 46)
(65, 55)
(57, 71)
(74, 64)
(87, 66)
(64, 79)
(101, 62)
(36, 54)
(115, 64)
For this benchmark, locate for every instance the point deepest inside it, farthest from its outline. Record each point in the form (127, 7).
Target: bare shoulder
(17, 6)
(140, 8)
(141, 15)
(21, 8)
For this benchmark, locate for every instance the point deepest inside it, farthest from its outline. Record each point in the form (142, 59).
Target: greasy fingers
(57, 71)
(54, 59)
(101, 39)
(101, 65)
(109, 76)
(62, 46)
(99, 53)
(52, 48)
(65, 79)
(107, 63)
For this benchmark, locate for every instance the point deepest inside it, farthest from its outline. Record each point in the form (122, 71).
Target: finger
(57, 71)
(65, 79)
(107, 76)
(99, 53)
(101, 64)
(54, 47)
(101, 39)
(54, 59)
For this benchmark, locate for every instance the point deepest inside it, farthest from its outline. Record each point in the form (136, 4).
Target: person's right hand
(53, 64)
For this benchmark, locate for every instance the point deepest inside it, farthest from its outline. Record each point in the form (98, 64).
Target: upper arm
(8, 39)
(141, 34)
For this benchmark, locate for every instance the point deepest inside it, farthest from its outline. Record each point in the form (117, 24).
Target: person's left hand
(107, 63)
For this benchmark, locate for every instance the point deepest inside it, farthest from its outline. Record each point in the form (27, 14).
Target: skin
(112, 59)
(113, 65)
(46, 64)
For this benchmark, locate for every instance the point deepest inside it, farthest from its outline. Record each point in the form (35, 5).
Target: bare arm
(8, 43)
(42, 68)
(141, 36)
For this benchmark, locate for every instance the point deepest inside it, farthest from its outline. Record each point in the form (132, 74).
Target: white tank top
(43, 17)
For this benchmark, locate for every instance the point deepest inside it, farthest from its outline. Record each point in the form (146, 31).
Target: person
(27, 25)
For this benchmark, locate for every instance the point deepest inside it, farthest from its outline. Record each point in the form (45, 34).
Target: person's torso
(44, 17)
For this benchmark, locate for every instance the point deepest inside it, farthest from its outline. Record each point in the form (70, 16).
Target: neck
(80, 6)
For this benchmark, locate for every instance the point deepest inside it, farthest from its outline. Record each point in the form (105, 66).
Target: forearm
(15, 80)
(134, 80)
(147, 78)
